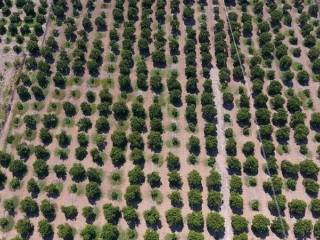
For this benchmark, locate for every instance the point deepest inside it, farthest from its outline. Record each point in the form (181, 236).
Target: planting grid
(165, 119)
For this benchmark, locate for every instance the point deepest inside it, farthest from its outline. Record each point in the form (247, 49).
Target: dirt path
(221, 157)
(257, 192)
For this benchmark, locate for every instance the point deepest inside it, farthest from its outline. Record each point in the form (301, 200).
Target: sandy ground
(221, 158)
(294, 150)
(249, 193)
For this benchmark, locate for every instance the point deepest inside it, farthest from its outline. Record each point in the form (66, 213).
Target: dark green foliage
(48, 209)
(195, 221)
(93, 191)
(65, 231)
(215, 224)
(18, 168)
(24, 228)
(302, 228)
(29, 207)
(70, 212)
(260, 225)
(152, 217)
(239, 224)
(112, 214)
(45, 229)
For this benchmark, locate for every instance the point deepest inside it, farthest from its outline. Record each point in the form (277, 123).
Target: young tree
(159, 58)
(154, 179)
(214, 181)
(234, 165)
(136, 176)
(93, 192)
(309, 169)
(152, 217)
(120, 111)
(260, 225)
(65, 231)
(130, 215)
(155, 141)
(89, 214)
(214, 200)
(303, 77)
(194, 180)
(302, 228)
(48, 209)
(236, 203)
(33, 187)
(239, 224)
(119, 139)
(24, 227)
(45, 136)
(5, 159)
(109, 232)
(112, 214)
(316, 66)
(45, 229)
(315, 207)
(297, 208)
(195, 221)
(250, 166)
(60, 170)
(151, 235)
(280, 227)
(215, 224)
(174, 218)
(18, 168)
(100, 23)
(41, 168)
(24, 151)
(77, 172)
(50, 121)
(132, 195)
(176, 199)
(195, 199)
(89, 232)
(70, 212)
(248, 148)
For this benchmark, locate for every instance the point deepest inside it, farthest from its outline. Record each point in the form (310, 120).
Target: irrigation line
(257, 129)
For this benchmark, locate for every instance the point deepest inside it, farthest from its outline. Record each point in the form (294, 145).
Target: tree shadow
(177, 228)
(230, 3)
(217, 234)
(145, 52)
(262, 234)
(160, 64)
(155, 226)
(275, 212)
(302, 141)
(282, 141)
(189, 22)
(212, 152)
(315, 127)
(133, 224)
(49, 237)
(234, 171)
(196, 207)
(228, 106)
(288, 83)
